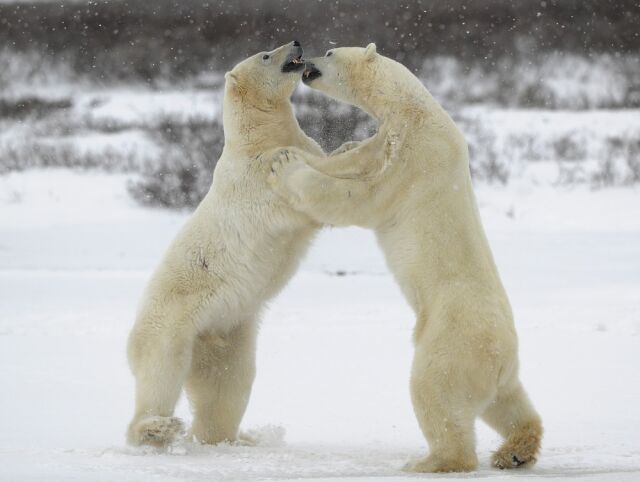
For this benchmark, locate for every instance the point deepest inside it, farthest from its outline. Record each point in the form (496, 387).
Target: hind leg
(220, 381)
(446, 404)
(159, 351)
(512, 416)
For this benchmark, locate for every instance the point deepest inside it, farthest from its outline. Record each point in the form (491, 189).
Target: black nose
(296, 43)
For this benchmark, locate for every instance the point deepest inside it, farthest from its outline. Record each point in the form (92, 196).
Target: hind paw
(520, 449)
(434, 464)
(508, 460)
(157, 431)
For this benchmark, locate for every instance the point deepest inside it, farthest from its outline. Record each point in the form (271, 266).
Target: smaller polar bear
(197, 321)
(423, 210)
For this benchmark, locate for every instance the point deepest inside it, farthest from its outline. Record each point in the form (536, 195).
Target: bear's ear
(234, 83)
(232, 79)
(370, 51)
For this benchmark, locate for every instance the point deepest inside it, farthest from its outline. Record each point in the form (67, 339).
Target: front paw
(284, 166)
(155, 431)
(278, 162)
(276, 175)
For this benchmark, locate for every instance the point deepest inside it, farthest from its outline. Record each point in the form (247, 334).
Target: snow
(331, 398)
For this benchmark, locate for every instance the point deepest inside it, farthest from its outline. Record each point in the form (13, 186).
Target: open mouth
(310, 73)
(293, 63)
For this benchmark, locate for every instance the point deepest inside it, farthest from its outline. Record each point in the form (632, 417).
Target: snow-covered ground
(75, 252)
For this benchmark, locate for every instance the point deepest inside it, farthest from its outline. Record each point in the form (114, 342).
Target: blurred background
(544, 90)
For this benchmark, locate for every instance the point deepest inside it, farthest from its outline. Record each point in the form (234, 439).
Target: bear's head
(346, 73)
(267, 77)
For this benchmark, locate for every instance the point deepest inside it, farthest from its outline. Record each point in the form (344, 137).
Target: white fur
(197, 322)
(423, 210)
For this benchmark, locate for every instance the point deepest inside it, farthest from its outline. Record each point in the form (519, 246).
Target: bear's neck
(252, 129)
(389, 100)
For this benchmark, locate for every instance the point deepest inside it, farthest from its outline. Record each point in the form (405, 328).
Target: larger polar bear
(423, 210)
(197, 322)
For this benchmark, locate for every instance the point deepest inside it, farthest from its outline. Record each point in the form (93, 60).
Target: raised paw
(278, 163)
(156, 431)
(281, 158)
(284, 164)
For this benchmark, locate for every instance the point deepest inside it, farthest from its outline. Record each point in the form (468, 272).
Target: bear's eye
(265, 56)
(329, 53)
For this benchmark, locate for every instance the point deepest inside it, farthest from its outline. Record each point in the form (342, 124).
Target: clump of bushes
(558, 80)
(182, 175)
(48, 153)
(31, 106)
(620, 164)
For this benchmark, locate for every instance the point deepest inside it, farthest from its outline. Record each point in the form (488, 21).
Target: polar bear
(423, 211)
(197, 321)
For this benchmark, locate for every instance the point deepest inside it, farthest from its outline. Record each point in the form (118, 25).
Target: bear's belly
(248, 276)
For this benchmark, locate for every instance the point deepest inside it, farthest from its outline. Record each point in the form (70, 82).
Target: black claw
(516, 461)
